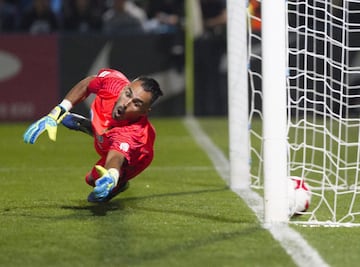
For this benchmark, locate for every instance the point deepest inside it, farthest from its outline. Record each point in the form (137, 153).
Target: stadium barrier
(37, 71)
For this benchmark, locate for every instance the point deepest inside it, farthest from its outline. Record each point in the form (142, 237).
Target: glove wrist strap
(66, 104)
(57, 114)
(114, 173)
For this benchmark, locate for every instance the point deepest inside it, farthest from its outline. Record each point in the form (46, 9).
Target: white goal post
(302, 119)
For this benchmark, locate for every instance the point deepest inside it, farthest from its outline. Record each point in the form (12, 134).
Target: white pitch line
(292, 242)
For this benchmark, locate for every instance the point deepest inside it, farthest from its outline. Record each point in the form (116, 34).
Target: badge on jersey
(124, 147)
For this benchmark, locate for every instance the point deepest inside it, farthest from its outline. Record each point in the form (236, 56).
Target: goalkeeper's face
(132, 103)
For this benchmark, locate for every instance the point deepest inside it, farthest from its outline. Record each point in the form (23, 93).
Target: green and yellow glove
(47, 123)
(108, 180)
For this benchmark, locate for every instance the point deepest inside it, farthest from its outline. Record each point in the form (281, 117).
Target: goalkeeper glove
(47, 123)
(106, 182)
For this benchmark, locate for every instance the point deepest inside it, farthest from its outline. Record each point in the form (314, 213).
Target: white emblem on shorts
(124, 147)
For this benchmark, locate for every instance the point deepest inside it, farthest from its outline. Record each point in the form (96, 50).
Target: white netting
(323, 106)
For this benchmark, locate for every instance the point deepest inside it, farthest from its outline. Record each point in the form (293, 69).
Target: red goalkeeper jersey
(134, 140)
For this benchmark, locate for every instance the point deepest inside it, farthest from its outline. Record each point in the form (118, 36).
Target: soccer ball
(299, 196)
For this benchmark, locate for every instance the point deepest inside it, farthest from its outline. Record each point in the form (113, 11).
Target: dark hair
(150, 85)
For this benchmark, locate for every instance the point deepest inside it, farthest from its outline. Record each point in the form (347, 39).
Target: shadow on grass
(174, 194)
(48, 210)
(102, 209)
(97, 209)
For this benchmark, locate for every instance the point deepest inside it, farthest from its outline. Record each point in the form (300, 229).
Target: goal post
(274, 61)
(274, 84)
(238, 94)
(302, 120)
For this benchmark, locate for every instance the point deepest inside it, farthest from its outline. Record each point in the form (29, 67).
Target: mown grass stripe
(292, 242)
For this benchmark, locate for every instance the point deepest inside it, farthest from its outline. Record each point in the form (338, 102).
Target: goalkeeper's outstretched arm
(109, 175)
(49, 122)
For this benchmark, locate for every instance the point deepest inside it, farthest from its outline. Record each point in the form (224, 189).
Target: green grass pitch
(179, 212)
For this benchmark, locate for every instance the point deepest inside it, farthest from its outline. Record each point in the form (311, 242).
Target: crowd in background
(87, 16)
(106, 16)
(112, 17)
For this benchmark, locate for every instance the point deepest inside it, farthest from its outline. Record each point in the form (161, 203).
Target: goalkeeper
(123, 136)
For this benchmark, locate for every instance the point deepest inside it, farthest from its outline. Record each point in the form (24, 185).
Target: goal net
(323, 101)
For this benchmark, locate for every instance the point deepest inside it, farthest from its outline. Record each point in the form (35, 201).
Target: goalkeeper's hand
(106, 182)
(47, 123)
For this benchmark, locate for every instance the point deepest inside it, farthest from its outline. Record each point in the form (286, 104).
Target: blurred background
(47, 46)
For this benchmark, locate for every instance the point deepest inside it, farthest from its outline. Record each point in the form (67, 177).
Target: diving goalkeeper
(123, 135)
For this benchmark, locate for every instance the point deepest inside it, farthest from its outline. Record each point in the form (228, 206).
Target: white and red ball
(299, 195)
